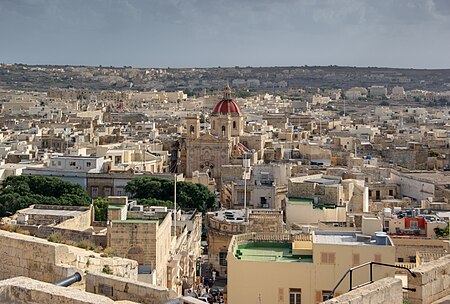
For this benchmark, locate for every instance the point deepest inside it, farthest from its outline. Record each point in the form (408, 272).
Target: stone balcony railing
(406, 265)
(426, 257)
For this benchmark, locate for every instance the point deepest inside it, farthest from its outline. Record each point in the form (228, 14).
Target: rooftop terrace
(268, 251)
(275, 247)
(350, 238)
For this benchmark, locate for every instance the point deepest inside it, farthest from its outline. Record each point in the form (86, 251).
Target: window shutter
(331, 258)
(324, 258)
(318, 296)
(356, 261)
(378, 258)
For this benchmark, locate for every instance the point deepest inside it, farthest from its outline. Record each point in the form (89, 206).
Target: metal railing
(370, 264)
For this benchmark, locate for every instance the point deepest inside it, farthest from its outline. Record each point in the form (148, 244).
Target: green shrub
(106, 269)
(55, 237)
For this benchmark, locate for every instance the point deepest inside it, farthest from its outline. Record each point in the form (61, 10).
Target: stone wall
(26, 290)
(80, 222)
(387, 290)
(123, 289)
(406, 248)
(432, 281)
(34, 258)
(49, 262)
(67, 234)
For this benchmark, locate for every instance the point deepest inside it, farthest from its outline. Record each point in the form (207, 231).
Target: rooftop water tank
(381, 238)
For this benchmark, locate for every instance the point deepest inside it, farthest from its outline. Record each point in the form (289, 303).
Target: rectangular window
(280, 295)
(325, 294)
(391, 192)
(327, 258)
(400, 260)
(72, 164)
(88, 164)
(356, 261)
(94, 191)
(295, 296)
(222, 258)
(377, 258)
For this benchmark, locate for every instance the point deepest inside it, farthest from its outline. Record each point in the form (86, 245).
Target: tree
(101, 209)
(22, 191)
(157, 191)
(442, 232)
(202, 118)
(384, 103)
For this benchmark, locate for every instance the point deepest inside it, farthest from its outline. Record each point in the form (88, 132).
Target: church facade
(209, 151)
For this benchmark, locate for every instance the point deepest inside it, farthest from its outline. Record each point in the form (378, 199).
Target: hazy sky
(195, 33)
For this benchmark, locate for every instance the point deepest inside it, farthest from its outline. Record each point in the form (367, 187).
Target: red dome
(226, 106)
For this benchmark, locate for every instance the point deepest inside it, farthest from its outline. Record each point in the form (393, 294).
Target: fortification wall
(39, 259)
(387, 290)
(124, 289)
(432, 281)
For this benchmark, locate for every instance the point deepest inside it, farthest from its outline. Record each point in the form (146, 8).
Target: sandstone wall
(67, 234)
(406, 248)
(432, 281)
(81, 222)
(34, 258)
(387, 290)
(49, 262)
(26, 290)
(123, 289)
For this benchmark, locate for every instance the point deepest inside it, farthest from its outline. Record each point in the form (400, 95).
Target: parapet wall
(387, 290)
(124, 289)
(67, 234)
(49, 262)
(432, 281)
(26, 290)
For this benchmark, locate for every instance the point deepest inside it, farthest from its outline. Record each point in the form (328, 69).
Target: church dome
(227, 105)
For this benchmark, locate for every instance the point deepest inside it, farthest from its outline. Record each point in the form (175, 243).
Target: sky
(208, 33)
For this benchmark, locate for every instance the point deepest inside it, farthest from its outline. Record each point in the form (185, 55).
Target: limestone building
(209, 151)
(301, 268)
(222, 225)
(145, 240)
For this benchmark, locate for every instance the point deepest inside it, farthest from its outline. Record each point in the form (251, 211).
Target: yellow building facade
(302, 268)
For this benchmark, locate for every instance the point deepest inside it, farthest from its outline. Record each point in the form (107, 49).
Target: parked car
(206, 298)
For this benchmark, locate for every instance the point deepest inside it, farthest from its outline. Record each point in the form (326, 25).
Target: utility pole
(175, 201)
(245, 183)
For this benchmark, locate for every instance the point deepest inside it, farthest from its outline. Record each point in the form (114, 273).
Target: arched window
(234, 124)
(192, 130)
(223, 130)
(136, 253)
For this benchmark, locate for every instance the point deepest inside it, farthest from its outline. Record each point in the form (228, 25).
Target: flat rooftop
(53, 212)
(347, 238)
(301, 201)
(435, 177)
(137, 221)
(232, 215)
(323, 181)
(269, 252)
